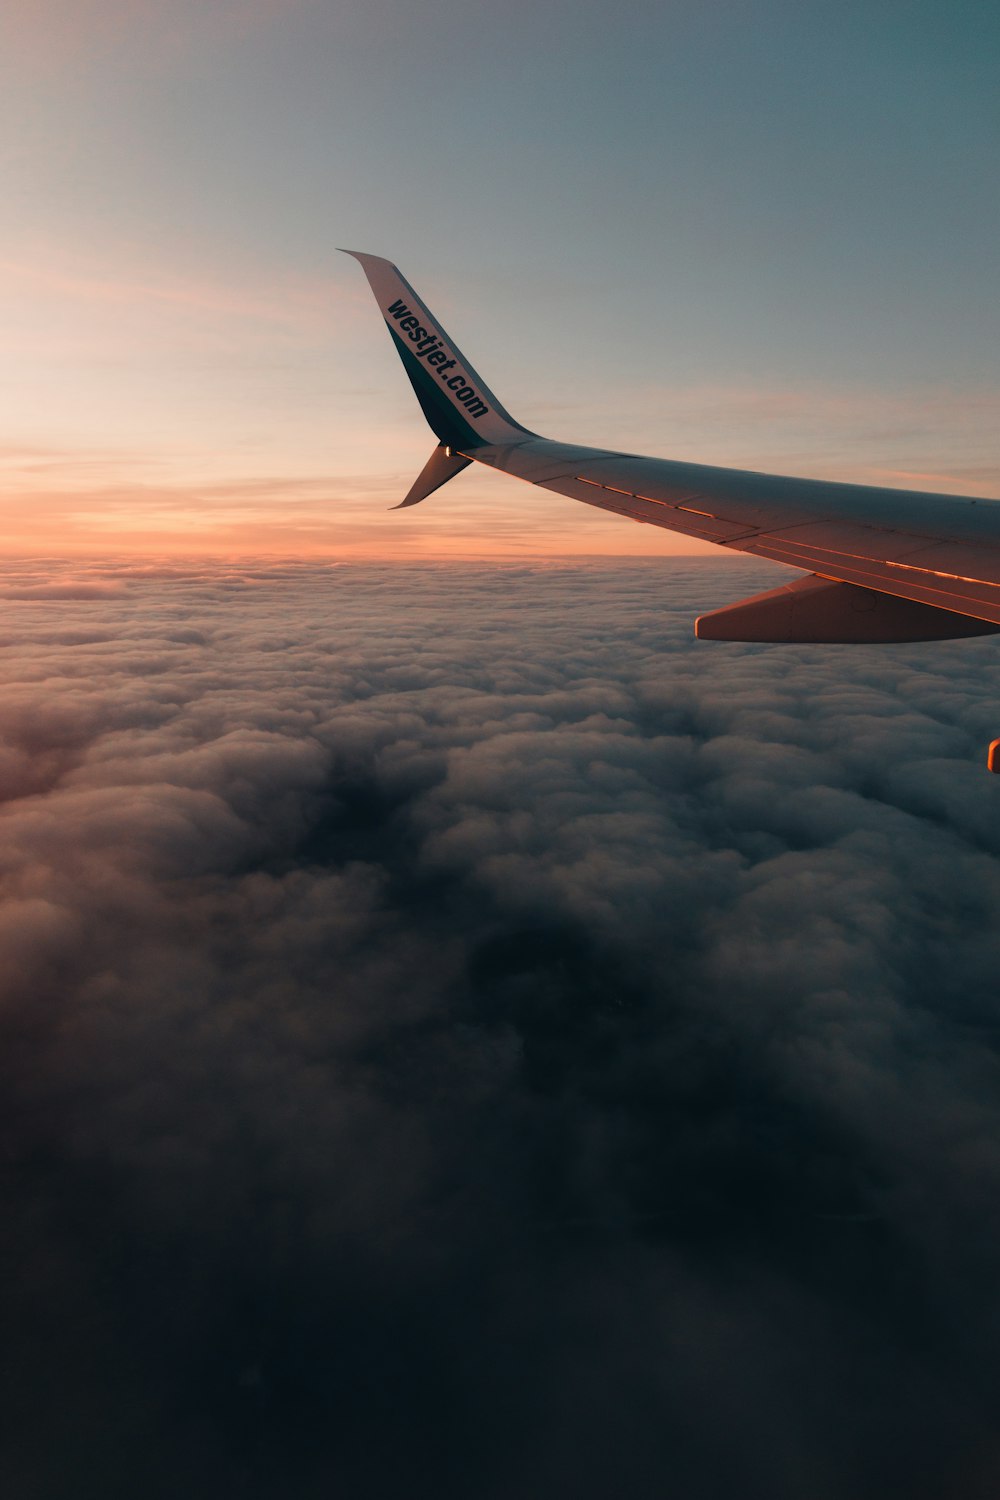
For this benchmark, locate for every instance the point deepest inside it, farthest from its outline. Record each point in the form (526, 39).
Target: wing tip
(365, 258)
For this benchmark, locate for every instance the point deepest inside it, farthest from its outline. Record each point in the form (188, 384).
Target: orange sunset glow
(153, 409)
(188, 366)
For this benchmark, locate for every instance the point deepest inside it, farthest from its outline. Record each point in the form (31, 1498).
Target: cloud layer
(462, 1036)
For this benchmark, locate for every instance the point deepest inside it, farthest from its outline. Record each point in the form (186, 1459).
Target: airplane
(882, 565)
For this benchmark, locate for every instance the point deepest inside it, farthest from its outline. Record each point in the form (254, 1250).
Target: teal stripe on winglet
(442, 418)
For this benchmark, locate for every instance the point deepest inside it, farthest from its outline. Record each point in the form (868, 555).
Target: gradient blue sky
(763, 234)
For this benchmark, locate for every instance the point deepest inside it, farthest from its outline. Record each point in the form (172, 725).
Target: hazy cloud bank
(462, 1036)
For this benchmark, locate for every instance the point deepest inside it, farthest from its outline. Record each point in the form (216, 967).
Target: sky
(460, 1035)
(756, 234)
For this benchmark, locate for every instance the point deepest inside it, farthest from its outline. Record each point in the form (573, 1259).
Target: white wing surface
(882, 564)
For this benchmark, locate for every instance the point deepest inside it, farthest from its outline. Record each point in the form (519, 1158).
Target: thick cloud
(461, 1036)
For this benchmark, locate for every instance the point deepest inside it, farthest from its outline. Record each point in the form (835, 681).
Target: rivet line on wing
(652, 500)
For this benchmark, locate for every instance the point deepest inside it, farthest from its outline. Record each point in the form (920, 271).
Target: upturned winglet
(461, 409)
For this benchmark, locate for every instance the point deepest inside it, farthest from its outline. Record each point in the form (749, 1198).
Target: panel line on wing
(938, 573)
(849, 571)
(886, 562)
(653, 500)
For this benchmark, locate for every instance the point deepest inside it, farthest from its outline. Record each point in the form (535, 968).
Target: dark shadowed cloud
(464, 1037)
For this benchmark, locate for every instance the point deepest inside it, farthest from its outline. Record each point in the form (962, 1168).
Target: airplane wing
(880, 564)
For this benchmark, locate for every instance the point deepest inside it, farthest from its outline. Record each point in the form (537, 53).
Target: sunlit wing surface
(883, 564)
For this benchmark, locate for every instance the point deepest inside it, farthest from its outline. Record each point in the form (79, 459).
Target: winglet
(459, 406)
(442, 465)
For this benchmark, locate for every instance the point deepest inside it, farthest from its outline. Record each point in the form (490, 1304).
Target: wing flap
(853, 560)
(821, 611)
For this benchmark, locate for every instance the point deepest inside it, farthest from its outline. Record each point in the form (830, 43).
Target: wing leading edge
(901, 564)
